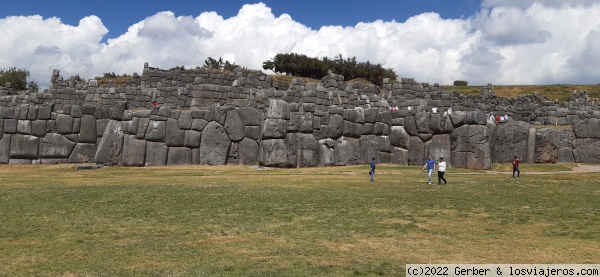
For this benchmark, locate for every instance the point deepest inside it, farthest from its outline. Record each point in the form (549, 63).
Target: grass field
(240, 221)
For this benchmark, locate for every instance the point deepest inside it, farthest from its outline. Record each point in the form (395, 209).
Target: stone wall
(243, 117)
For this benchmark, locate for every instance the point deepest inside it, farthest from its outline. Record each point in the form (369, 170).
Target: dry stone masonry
(201, 116)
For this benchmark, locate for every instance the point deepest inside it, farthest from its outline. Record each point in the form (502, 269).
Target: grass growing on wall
(240, 221)
(552, 92)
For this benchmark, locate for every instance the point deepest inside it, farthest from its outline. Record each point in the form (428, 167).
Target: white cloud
(507, 42)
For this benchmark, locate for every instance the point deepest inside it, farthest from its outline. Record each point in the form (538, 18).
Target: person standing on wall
(441, 171)
(430, 165)
(372, 172)
(516, 167)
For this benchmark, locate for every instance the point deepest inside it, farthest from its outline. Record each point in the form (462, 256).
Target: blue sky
(502, 42)
(117, 16)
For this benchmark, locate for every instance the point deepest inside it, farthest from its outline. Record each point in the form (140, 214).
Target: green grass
(551, 92)
(239, 221)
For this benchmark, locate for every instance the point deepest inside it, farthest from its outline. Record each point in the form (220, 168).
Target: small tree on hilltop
(18, 79)
(461, 83)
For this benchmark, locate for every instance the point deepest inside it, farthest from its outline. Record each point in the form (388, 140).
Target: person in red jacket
(516, 167)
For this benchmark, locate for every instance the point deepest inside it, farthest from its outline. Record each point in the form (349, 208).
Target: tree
(303, 66)
(461, 83)
(18, 79)
(219, 64)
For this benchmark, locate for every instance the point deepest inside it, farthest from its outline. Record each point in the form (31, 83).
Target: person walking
(516, 167)
(372, 172)
(430, 165)
(441, 171)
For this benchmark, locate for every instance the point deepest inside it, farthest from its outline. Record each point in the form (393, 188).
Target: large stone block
(587, 150)
(422, 122)
(55, 146)
(130, 127)
(458, 118)
(192, 139)
(476, 118)
(156, 131)
(118, 111)
(470, 147)
(87, 131)
(248, 151)
(416, 151)
(38, 128)
(360, 115)
(410, 125)
(565, 155)
(45, 111)
(348, 151)
(278, 109)
(510, 140)
(185, 120)
(23, 147)
(336, 126)
(156, 153)
(142, 128)
(249, 116)
(83, 153)
(351, 129)
(307, 150)
(252, 132)
(274, 153)
(399, 156)
(179, 156)
(198, 124)
(174, 137)
(111, 144)
(399, 137)
(234, 126)
(134, 151)
(274, 128)
(370, 115)
(439, 147)
(24, 127)
(384, 144)
(326, 152)
(64, 124)
(547, 143)
(593, 125)
(214, 145)
(306, 123)
(5, 149)
(580, 130)
(10, 126)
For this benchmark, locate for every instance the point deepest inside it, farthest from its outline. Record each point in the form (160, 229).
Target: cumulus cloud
(506, 42)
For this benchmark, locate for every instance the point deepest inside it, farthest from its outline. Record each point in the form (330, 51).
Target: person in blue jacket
(372, 172)
(430, 165)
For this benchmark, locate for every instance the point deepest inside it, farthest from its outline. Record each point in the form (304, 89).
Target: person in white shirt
(434, 110)
(441, 171)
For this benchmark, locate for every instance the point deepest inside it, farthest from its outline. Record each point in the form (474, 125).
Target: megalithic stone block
(134, 151)
(111, 144)
(214, 145)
